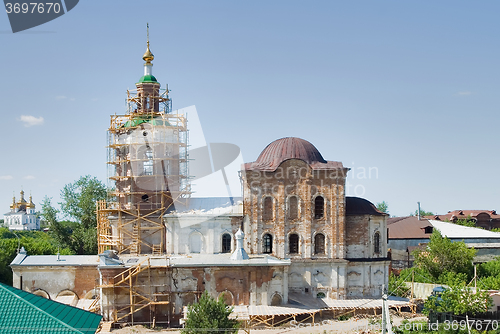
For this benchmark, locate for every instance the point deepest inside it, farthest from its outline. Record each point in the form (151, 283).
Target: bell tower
(148, 88)
(147, 168)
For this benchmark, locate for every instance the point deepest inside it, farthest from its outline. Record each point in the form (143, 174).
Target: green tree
(397, 286)
(209, 314)
(442, 256)
(79, 200)
(465, 222)
(422, 213)
(35, 243)
(48, 213)
(460, 299)
(78, 203)
(489, 274)
(383, 207)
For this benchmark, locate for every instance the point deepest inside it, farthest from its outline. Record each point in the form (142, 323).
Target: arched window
(276, 300)
(148, 164)
(195, 243)
(376, 243)
(41, 293)
(227, 296)
(293, 243)
(319, 243)
(67, 297)
(226, 243)
(267, 244)
(267, 213)
(293, 207)
(319, 207)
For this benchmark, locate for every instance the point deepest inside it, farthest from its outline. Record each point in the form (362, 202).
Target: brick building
(295, 207)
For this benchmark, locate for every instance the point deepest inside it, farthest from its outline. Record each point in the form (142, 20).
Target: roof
(361, 206)
(197, 260)
(145, 119)
(407, 228)
(24, 312)
(454, 231)
(52, 260)
(306, 304)
(148, 78)
(464, 214)
(20, 212)
(410, 249)
(412, 228)
(291, 148)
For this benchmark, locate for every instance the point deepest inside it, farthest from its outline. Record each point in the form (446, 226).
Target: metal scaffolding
(147, 173)
(137, 292)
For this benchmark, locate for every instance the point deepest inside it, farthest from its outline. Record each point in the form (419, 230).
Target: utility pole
(412, 282)
(386, 319)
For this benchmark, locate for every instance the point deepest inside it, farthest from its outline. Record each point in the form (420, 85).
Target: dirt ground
(353, 325)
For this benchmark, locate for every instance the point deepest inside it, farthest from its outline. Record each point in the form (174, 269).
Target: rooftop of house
(454, 231)
(408, 228)
(193, 260)
(24, 312)
(23, 259)
(412, 228)
(128, 260)
(464, 214)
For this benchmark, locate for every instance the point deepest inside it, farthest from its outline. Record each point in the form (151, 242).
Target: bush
(209, 315)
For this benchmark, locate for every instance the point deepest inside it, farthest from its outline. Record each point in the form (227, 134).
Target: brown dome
(360, 206)
(291, 148)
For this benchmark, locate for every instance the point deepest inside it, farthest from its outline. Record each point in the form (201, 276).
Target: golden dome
(148, 56)
(22, 200)
(31, 204)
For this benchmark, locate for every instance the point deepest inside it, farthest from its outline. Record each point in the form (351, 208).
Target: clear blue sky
(409, 88)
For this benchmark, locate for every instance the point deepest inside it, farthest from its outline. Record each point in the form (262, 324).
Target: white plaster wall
(51, 279)
(22, 221)
(179, 230)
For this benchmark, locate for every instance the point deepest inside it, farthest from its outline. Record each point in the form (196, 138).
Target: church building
(293, 237)
(22, 215)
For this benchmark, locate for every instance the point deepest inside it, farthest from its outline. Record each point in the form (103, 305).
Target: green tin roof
(24, 312)
(145, 119)
(147, 78)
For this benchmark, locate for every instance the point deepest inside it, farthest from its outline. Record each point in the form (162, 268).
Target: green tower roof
(24, 312)
(147, 78)
(145, 119)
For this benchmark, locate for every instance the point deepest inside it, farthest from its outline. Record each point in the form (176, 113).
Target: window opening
(268, 208)
(148, 164)
(226, 243)
(319, 207)
(319, 243)
(267, 244)
(293, 207)
(293, 241)
(376, 243)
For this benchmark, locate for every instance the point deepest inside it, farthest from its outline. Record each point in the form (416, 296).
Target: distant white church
(22, 215)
